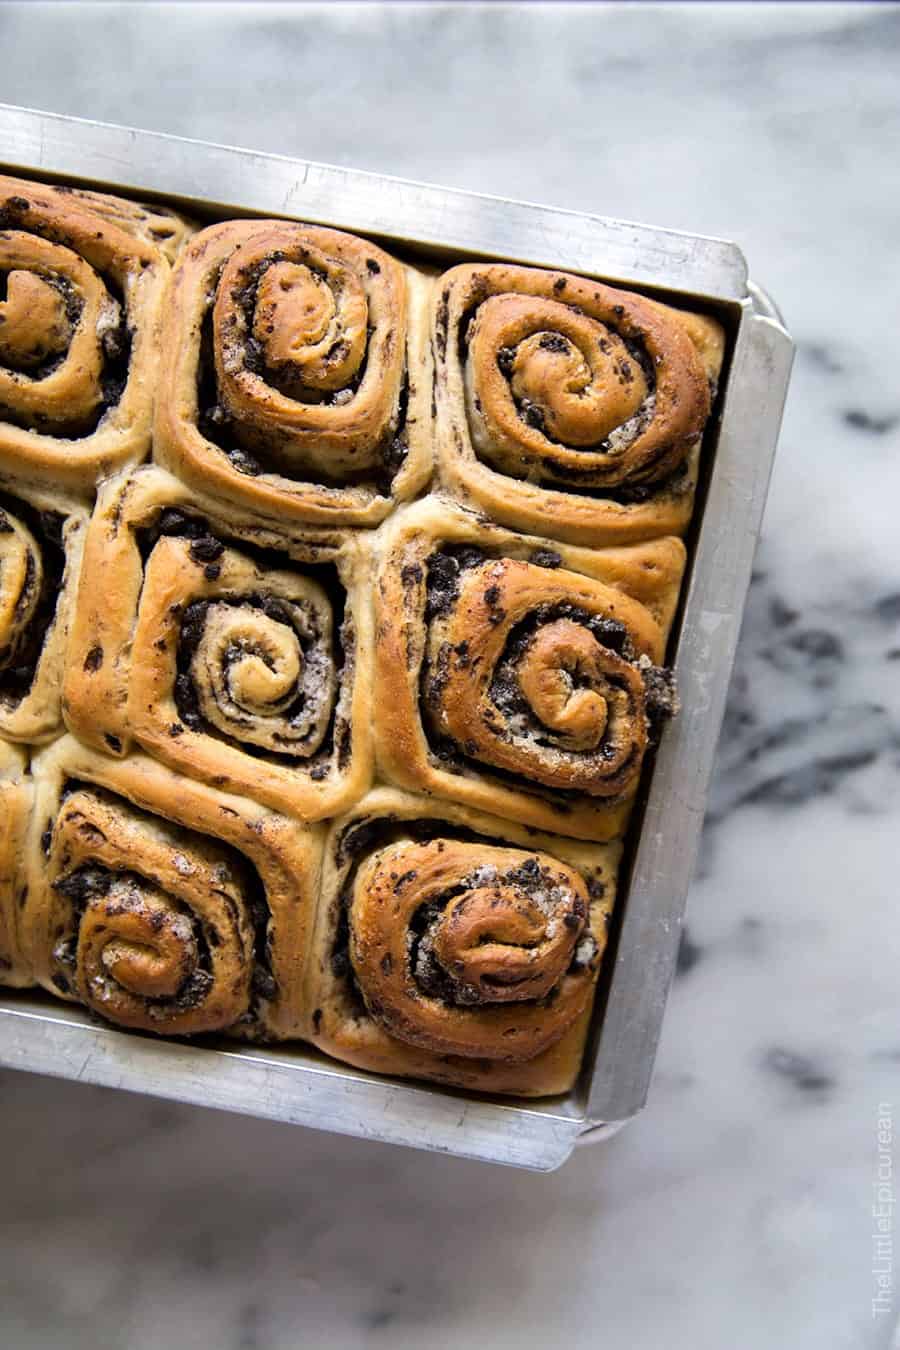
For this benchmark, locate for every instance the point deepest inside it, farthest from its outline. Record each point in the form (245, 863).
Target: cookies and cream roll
(520, 676)
(296, 373)
(164, 905)
(159, 226)
(80, 305)
(41, 540)
(457, 947)
(567, 407)
(234, 654)
(15, 811)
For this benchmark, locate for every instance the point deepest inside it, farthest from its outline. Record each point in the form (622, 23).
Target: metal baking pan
(297, 1084)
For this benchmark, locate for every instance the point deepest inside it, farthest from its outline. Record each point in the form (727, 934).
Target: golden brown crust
(457, 947)
(193, 640)
(15, 811)
(41, 541)
(156, 225)
(79, 333)
(557, 394)
(319, 375)
(162, 904)
(483, 638)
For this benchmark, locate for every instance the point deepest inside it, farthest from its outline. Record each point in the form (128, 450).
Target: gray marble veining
(737, 1210)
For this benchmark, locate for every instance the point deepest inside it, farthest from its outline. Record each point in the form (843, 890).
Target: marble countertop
(737, 1210)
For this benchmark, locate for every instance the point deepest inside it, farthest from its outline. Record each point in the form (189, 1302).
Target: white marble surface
(736, 1211)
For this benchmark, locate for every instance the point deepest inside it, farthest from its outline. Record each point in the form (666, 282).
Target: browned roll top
(570, 381)
(309, 347)
(158, 226)
(541, 673)
(255, 646)
(307, 350)
(80, 295)
(471, 950)
(59, 323)
(150, 926)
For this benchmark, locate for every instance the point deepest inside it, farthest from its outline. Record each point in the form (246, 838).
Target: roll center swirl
(252, 662)
(168, 948)
(57, 309)
(564, 675)
(256, 656)
(571, 377)
(33, 321)
(153, 949)
(295, 339)
(570, 382)
(311, 323)
(497, 942)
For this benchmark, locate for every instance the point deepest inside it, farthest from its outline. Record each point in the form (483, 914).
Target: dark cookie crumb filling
(396, 447)
(92, 880)
(505, 691)
(629, 494)
(442, 323)
(115, 344)
(206, 548)
(661, 697)
(545, 557)
(366, 836)
(217, 425)
(443, 570)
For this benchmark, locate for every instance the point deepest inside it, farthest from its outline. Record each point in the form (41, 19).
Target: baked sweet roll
(453, 946)
(15, 811)
(162, 904)
(159, 226)
(80, 304)
(567, 407)
(296, 373)
(41, 539)
(520, 676)
(232, 653)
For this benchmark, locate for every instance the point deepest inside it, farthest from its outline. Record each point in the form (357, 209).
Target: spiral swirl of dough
(471, 950)
(166, 948)
(541, 673)
(81, 290)
(603, 390)
(58, 323)
(307, 348)
(570, 381)
(262, 669)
